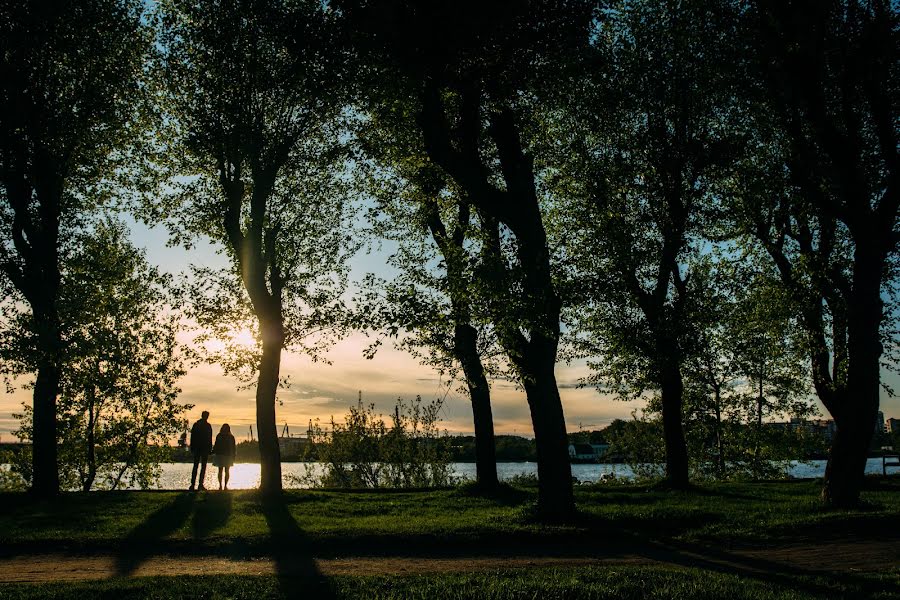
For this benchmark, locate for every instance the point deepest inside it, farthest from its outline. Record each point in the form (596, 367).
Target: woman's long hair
(226, 428)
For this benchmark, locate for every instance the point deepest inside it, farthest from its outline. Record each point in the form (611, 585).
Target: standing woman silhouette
(223, 453)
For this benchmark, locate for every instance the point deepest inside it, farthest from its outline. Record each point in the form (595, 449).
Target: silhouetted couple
(202, 446)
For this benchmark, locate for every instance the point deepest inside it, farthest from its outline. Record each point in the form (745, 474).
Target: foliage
(748, 452)
(117, 405)
(436, 284)
(364, 451)
(750, 368)
(256, 162)
(74, 121)
(642, 151)
(10, 469)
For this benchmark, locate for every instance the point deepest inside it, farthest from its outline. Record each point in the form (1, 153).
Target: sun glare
(244, 337)
(239, 337)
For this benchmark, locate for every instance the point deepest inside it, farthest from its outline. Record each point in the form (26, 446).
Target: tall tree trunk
(266, 389)
(465, 341)
(672, 391)
(465, 347)
(854, 418)
(91, 443)
(45, 473)
(720, 463)
(760, 399)
(555, 496)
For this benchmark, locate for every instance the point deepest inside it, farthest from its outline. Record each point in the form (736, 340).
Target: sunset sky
(320, 391)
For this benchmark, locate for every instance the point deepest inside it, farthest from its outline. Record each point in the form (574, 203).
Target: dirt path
(836, 556)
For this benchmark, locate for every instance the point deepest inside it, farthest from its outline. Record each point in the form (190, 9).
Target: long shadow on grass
(291, 550)
(211, 514)
(791, 576)
(141, 542)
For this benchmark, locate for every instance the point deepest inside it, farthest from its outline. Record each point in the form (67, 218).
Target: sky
(320, 391)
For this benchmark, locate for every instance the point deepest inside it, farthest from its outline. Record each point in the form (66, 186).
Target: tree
(121, 362)
(831, 74)
(473, 70)
(748, 367)
(438, 307)
(70, 113)
(645, 144)
(252, 96)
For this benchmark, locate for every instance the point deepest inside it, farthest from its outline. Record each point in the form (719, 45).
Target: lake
(176, 476)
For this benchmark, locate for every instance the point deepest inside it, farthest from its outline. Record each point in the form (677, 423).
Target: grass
(547, 584)
(687, 536)
(337, 522)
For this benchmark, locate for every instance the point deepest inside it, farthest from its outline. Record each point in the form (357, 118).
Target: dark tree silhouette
(441, 310)
(477, 68)
(833, 77)
(644, 145)
(117, 407)
(70, 75)
(252, 92)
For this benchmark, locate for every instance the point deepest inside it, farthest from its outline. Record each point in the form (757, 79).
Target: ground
(751, 540)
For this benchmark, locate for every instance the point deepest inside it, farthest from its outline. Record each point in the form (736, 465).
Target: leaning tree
(477, 72)
(433, 305)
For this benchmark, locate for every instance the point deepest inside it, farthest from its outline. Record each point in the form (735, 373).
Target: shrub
(367, 452)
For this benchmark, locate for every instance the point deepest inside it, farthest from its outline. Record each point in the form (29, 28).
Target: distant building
(879, 422)
(821, 427)
(587, 452)
(893, 425)
(292, 446)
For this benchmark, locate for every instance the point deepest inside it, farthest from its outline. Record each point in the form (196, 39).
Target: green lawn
(337, 522)
(547, 584)
(668, 527)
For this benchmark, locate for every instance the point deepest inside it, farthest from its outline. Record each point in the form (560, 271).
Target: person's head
(204, 415)
(226, 428)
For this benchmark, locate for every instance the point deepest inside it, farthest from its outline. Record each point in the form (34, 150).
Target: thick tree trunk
(517, 207)
(847, 460)
(855, 417)
(672, 389)
(45, 473)
(465, 347)
(266, 389)
(555, 497)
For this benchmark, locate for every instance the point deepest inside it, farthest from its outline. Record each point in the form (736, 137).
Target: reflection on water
(244, 476)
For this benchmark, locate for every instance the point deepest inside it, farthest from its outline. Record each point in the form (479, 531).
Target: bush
(12, 468)
(366, 452)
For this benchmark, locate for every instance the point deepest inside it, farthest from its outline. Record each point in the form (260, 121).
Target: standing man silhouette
(201, 446)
